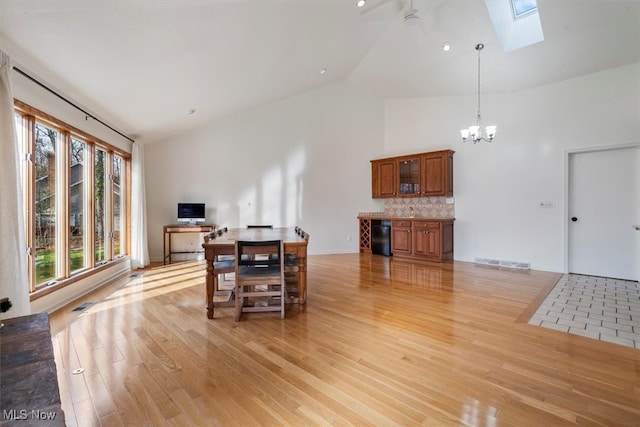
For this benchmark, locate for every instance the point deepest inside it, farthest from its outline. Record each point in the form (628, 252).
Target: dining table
(295, 242)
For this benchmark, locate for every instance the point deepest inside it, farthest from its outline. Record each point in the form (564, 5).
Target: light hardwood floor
(382, 342)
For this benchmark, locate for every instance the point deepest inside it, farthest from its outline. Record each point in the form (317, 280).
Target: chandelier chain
(479, 48)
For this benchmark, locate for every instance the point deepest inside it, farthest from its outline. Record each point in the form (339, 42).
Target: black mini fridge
(381, 237)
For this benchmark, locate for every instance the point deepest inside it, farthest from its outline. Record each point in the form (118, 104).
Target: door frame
(565, 215)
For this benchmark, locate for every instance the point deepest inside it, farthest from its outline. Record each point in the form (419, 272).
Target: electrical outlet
(547, 204)
(349, 237)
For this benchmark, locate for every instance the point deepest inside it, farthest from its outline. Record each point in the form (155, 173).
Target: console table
(29, 394)
(169, 230)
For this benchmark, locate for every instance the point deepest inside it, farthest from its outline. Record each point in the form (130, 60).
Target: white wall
(305, 161)
(302, 161)
(498, 186)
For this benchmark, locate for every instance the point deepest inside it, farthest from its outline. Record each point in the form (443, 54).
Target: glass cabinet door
(409, 171)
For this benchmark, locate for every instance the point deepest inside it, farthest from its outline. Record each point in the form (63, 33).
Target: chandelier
(474, 133)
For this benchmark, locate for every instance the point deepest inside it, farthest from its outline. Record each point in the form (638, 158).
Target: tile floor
(596, 307)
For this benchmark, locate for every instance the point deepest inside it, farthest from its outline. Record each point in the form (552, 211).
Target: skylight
(522, 7)
(516, 22)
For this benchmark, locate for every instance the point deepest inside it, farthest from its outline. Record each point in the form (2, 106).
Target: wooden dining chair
(259, 277)
(222, 265)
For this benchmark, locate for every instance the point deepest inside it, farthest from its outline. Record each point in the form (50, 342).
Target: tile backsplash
(430, 207)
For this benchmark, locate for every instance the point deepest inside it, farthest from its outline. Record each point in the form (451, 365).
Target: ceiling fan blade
(413, 22)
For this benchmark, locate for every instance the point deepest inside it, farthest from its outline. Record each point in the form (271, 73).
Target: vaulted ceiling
(142, 65)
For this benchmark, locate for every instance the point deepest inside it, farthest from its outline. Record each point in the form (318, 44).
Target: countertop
(391, 217)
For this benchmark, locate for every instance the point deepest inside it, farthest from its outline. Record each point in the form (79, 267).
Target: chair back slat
(271, 249)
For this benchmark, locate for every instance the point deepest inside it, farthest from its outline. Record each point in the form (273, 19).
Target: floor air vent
(515, 264)
(487, 261)
(503, 263)
(83, 306)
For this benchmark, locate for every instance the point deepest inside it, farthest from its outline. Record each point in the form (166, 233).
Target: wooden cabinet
(383, 178)
(420, 175)
(419, 239)
(427, 238)
(401, 241)
(437, 174)
(409, 176)
(423, 239)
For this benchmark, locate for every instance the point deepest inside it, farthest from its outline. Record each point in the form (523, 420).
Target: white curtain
(14, 282)
(139, 245)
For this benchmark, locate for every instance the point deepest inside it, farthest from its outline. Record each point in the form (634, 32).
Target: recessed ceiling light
(324, 70)
(191, 111)
(446, 46)
(360, 3)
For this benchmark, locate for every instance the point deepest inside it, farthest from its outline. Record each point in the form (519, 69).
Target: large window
(75, 200)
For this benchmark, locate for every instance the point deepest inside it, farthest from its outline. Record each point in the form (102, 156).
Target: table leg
(164, 248)
(210, 291)
(302, 278)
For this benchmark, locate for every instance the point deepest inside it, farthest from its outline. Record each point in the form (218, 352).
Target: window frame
(518, 15)
(64, 277)
(84, 204)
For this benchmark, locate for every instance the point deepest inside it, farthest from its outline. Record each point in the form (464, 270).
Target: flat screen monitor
(191, 212)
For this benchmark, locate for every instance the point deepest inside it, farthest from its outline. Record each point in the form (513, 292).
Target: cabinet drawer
(401, 223)
(427, 224)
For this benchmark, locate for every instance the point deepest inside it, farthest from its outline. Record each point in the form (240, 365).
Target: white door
(604, 207)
